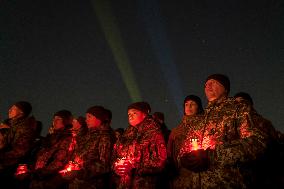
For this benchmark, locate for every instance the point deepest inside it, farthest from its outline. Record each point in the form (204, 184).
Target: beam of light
(113, 37)
(150, 15)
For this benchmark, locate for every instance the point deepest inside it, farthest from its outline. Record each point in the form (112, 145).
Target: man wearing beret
(140, 153)
(218, 146)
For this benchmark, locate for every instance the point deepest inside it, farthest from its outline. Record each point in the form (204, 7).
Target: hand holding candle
(196, 160)
(22, 172)
(123, 166)
(71, 166)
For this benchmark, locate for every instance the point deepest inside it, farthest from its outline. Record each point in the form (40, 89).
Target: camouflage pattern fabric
(95, 152)
(52, 158)
(19, 141)
(145, 145)
(179, 176)
(56, 153)
(234, 139)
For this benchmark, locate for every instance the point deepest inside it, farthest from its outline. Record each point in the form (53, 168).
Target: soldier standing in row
(18, 141)
(90, 164)
(192, 108)
(140, 154)
(217, 147)
(54, 154)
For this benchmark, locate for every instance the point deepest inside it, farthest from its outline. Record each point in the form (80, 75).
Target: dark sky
(72, 54)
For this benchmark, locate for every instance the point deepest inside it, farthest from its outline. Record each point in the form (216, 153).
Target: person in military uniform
(18, 141)
(140, 154)
(263, 123)
(272, 160)
(193, 110)
(4, 130)
(79, 127)
(91, 160)
(55, 152)
(218, 146)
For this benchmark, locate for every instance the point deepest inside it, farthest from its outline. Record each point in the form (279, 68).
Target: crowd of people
(226, 144)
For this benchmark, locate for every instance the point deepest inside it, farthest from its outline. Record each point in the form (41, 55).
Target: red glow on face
(21, 169)
(190, 108)
(214, 90)
(135, 117)
(92, 121)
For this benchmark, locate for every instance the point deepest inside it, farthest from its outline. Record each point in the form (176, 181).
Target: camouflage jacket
(179, 175)
(145, 146)
(235, 140)
(19, 141)
(4, 130)
(55, 152)
(263, 124)
(94, 153)
(178, 135)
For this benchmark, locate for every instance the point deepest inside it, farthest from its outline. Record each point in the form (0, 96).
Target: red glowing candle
(123, 164)
(71, 166)
(194, 144)
(21, 169)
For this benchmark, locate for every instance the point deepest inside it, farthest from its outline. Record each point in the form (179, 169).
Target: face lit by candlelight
(135, 117)
(190, 107)
(92, 121)
(58, 123)
(76, 125)
(14, 112)
(214, 90)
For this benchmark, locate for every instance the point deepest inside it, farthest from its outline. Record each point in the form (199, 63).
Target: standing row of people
(229, 145)
(220, 146)
(85, 156)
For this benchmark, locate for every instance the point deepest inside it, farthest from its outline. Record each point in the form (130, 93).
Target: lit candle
(71, 166)
(21, 169)
(194, 144)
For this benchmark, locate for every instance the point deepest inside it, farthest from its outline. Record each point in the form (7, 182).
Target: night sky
(73, 54)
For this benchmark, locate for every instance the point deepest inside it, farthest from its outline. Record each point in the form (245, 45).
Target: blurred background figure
(4, 129)
(79, 126)
(272, 160)
(243, 96)
(118, 133)
(160, 118)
